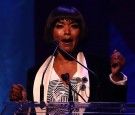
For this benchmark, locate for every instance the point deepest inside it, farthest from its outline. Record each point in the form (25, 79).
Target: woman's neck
(64, 65)
(65, 58)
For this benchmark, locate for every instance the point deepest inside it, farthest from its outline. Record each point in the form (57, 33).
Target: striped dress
(58, 92)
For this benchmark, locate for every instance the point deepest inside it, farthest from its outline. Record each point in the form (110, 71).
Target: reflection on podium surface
(54, 108)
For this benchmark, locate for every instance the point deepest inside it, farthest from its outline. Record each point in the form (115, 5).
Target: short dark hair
(63, 12)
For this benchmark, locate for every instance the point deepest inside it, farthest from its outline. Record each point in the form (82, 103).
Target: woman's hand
(117, 62)
(17, 93)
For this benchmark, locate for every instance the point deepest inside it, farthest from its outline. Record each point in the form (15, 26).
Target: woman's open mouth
(67, 41)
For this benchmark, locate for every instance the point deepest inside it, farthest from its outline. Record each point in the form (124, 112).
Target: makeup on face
(67, 31)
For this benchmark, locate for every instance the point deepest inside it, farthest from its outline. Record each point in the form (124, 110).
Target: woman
(66, 25)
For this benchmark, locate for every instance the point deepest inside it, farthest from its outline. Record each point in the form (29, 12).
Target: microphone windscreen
(65, 77)
(115, 65)
(55, 42)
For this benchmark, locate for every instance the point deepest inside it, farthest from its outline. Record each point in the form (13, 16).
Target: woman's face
(67, 33)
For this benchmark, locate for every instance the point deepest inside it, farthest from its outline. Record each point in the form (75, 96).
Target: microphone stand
(42, 85)
(65, 77)
(70, 98)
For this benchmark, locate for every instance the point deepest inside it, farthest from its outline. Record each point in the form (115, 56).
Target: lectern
(104, 108)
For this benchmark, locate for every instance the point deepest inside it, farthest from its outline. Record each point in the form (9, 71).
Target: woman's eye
(75, 26)
(59, 26)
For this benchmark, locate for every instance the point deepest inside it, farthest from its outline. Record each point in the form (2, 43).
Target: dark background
(110, 24)
(96, 14)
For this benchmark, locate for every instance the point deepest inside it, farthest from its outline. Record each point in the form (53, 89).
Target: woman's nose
(67, 30)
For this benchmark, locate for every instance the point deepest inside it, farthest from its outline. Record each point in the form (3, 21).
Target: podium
(94, 108)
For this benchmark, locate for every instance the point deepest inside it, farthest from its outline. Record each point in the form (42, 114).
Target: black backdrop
(110, 23)
(103, 19)
(96, 16)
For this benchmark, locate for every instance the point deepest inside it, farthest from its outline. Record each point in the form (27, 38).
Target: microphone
(42, 85)
(54, 42)
(115, 65)
(65, 77)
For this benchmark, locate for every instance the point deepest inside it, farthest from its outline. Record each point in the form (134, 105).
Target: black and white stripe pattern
(57, 92)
